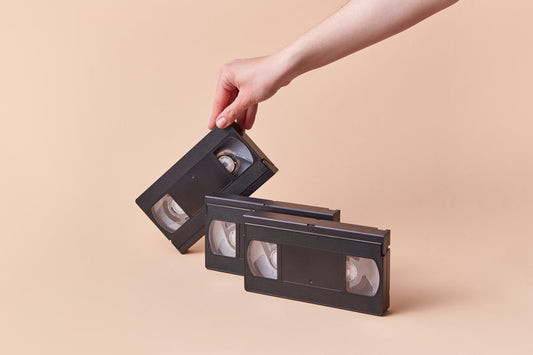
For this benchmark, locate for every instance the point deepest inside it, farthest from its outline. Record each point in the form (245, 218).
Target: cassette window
(234, 156)
(168, 214)
(263, 259)
(362, 276)
(222, 238)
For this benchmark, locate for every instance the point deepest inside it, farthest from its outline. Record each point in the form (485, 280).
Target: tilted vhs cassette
(323, 262)
(224, 160)
(224, 236)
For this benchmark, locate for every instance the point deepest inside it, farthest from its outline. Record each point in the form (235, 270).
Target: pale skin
(244, 83)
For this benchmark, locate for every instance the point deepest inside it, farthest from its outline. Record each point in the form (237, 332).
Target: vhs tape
(224, 236)
(328, 263)
(224, 160)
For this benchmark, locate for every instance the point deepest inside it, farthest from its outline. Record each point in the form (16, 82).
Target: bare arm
(358, 24)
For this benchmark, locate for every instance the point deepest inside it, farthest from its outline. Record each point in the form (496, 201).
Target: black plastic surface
(305, 266)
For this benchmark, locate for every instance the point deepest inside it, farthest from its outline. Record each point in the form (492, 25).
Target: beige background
(428, 134)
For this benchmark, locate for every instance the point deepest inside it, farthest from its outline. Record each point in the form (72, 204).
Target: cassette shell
(312, 258)
(175, 202)
(223, 208)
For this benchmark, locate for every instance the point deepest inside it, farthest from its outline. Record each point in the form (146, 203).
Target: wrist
(286, 66)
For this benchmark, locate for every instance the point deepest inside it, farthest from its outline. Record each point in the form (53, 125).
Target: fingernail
(221, 122)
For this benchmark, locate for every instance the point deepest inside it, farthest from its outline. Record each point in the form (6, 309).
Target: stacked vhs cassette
(282, 249)
(224, 236)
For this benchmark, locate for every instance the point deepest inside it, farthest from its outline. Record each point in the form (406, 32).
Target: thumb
(232, 112)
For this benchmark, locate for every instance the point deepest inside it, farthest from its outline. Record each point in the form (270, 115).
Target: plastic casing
(231, 208)
(333, 237)
(199, 173)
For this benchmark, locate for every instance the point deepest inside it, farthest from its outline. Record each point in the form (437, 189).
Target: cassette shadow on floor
(411, 293)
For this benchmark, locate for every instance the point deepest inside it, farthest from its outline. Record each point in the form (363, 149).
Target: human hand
(242, 84)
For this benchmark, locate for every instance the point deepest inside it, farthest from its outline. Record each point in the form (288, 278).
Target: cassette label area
(323, 262)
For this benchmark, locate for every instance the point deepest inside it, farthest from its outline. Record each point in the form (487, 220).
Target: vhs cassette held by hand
(223, 161)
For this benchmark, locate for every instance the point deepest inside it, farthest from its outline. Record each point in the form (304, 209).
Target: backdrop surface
(428, 133)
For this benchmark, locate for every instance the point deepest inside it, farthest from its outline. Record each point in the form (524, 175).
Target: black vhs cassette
(323, 262)
(223, 161)
(224, 235)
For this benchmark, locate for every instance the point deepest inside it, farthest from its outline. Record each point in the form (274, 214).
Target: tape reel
(263, 259)
(362, 276)
(222, 238)
(234, 156)
(169, 214)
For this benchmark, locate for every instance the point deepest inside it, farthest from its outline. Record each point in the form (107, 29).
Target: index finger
(223, 95)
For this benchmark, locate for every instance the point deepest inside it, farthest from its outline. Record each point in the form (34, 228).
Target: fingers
(233, 99)
(242, 119)
(233, 111)
(224, 94)
(250, 117)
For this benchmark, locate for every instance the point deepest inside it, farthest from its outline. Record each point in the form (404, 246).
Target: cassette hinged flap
(224, 160)
(332, 230)
(251, 203)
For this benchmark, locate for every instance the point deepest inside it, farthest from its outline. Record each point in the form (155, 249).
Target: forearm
(246, 82)
(359, 24)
